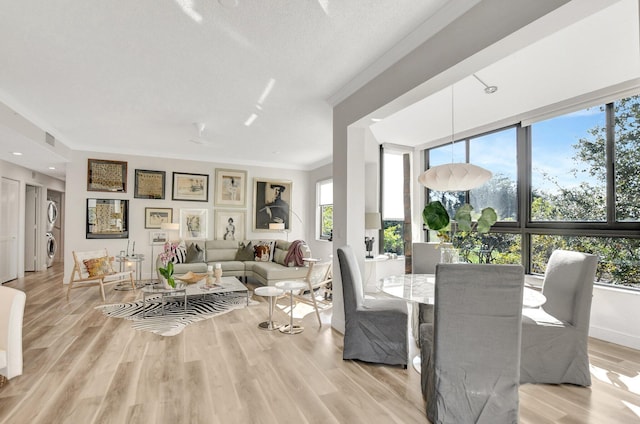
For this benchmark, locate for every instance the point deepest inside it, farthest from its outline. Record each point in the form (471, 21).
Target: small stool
(272, 293)
(290, 286)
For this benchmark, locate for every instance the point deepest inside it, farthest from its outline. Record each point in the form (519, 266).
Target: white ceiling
(133, 76)
(578, 63)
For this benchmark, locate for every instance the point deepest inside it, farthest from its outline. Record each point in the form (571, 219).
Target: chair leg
(69, 289)
(315, 304)
(104, 298)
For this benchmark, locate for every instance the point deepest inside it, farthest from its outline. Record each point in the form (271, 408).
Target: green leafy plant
(436, 218)
(167, 269)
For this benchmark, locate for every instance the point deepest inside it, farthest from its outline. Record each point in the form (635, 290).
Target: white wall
(28, 177)
(614, 316)
(321, 249)
(76, 195)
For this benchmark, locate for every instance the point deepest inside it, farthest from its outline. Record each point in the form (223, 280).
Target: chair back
(476, 343)
(319, 274)
(12, 303)
(352, 290)
(424, 257)
(568, 286)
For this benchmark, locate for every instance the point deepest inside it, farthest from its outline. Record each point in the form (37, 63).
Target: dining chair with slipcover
(375, 329)
(554, 336)
(471, 352)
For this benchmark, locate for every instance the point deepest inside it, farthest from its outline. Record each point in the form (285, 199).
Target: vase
(165, 283)
(449, 255)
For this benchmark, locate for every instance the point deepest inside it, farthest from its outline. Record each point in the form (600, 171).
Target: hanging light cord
(489, 89)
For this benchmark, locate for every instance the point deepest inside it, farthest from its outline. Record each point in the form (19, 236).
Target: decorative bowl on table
(190, 277)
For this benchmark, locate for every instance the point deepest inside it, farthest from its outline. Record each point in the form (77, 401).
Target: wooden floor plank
(80, 366)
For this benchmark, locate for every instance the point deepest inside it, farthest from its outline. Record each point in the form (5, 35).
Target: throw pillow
(245, 251)
(98, 266)
(181, 253)
(271, 248)
(195, 254)
(261, 252)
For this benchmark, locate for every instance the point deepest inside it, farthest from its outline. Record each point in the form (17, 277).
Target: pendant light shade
(454, 177)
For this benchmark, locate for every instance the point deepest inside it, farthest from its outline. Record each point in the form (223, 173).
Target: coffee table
(226, 285)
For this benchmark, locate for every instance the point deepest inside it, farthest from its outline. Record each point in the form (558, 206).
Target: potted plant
(436, 218)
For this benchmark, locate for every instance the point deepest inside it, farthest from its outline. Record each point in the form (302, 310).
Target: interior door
(9, 221)
(30, 228)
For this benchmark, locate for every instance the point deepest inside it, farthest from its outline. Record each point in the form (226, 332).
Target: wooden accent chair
(318, 276)
(94, 268)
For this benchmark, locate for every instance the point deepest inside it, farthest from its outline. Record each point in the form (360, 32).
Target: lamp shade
(276, 226)
(372, 221)
(454, 177)
(170, 226)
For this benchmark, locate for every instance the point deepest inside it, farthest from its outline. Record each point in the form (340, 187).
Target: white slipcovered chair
(471, 351)
(554, 336)
(11, 312)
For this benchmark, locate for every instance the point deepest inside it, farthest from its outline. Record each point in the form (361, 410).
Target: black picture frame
(106, 175)
(107, 219)
(190, 187)
(149, 184)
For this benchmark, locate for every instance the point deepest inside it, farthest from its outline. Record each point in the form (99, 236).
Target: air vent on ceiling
(51, 140)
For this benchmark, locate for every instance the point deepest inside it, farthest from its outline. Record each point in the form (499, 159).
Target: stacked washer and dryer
(52, 245)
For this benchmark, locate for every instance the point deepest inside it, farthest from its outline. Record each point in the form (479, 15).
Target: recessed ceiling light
(376, 119)
(52, 168)
(16, 153)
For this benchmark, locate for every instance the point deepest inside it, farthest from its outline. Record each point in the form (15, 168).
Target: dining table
(420, 288)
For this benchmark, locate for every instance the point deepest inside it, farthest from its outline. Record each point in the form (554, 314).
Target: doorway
(9, 224)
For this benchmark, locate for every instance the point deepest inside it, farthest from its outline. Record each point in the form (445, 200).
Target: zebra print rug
(175, 318)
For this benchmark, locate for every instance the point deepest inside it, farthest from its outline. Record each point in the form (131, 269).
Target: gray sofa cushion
(230, 266)
(274, 271)
(221, 250)
(245, 251)
(195, 253)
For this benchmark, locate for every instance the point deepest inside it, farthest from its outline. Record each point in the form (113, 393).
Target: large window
(568, 172)
(325, 209)
(583, 193)
(393, 202)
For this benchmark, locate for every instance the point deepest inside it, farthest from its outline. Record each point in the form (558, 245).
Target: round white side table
(290, 286)
(272, 293)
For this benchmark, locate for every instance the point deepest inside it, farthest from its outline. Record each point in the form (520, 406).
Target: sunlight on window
(187, 8)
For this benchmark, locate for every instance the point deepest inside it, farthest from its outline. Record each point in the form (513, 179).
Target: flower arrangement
(166, 257)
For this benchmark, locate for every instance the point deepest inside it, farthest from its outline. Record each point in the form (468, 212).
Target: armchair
(12, 303)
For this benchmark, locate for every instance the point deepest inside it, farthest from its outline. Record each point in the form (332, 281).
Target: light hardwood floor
(81, 367)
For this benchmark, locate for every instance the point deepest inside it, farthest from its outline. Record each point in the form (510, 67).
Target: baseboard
(616, 337)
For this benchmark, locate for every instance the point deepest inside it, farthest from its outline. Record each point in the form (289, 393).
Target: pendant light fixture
(454, 176)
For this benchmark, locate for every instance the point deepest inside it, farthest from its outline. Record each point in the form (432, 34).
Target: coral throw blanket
(295, 254)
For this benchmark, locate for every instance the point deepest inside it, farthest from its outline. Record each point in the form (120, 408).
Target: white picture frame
(158, 237)
(231, 188)
(193, 223)
(230, 230)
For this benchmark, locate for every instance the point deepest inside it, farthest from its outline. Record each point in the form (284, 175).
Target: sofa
(262, 260)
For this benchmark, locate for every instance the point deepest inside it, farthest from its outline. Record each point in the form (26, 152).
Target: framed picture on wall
(193, 223)
(106, 175)
(158, 237)
(271, 204)
(231, 188)
(229, 224)
(149, 184)
(107, 218)
(192, 187)
(155, 217)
